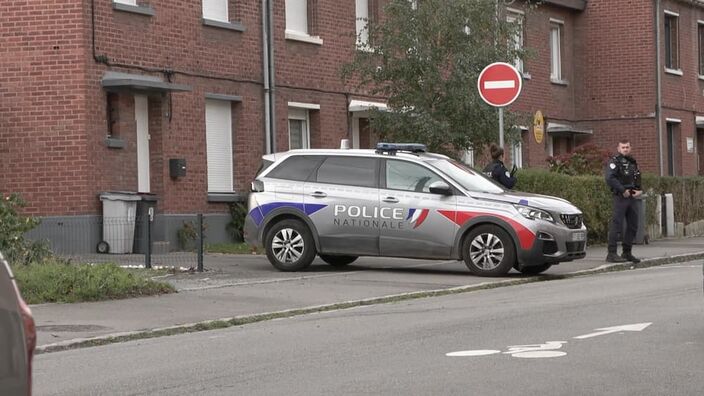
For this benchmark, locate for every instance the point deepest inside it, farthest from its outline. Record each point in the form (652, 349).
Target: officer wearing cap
(623, 178)
(496, 169)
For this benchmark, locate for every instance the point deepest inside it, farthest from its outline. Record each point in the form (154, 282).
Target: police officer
(623, 178)
(496, 169)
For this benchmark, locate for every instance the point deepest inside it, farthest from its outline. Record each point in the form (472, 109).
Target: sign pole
(501, 127)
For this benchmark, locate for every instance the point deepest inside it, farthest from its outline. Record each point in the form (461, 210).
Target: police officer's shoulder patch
(612, 165)
(508, 174)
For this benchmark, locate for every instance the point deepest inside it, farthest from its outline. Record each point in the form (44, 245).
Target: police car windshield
(468, 178)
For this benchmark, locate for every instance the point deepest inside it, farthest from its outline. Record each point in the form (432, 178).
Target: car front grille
(572, 220)
(574, 247)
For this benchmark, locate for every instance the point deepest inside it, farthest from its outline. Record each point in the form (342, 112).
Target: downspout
(658, 86)
(271, 72)
(265, 75)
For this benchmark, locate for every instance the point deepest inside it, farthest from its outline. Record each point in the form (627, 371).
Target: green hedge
(591, 195)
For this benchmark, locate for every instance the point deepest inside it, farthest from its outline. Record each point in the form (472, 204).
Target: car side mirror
(440, 187)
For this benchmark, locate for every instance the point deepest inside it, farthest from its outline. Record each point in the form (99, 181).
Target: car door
(14, 360)
(417, 228)
(343, 195)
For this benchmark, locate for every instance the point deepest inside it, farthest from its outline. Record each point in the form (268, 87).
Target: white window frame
(517, 16)
(216, 10)
(700, 47)
(362, 23)
(301, 112)
(220, 176)
(517, 154)
(468, 158)
(297, 23)
(128, 2)
(556, 27)
(678, 69)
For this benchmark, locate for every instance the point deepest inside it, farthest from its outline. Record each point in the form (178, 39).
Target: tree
(425, 57)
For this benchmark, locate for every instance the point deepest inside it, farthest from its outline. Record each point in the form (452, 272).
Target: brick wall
(43, 153)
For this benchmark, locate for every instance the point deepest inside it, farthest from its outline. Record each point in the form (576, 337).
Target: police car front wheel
(290, 246)
(489, 251)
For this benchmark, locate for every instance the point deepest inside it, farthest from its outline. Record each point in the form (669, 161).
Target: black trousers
(624, 209)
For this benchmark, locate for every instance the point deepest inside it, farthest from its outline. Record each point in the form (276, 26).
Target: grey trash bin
(119, 210)
(146, 202)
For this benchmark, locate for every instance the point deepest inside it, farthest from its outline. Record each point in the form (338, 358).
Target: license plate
(579, 236)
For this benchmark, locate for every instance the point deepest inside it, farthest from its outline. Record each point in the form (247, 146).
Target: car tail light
(30, 334)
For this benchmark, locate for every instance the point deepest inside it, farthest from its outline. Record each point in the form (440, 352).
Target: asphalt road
(520, 340)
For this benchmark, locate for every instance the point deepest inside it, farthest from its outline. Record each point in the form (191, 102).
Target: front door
(416, 228)
(141, 116)
(700, 151)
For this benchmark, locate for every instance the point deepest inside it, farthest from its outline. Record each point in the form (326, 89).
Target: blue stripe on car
(259, 213)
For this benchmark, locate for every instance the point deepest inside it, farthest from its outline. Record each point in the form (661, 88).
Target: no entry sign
(499, 84)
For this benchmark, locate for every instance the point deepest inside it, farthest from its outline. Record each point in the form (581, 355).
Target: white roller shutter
(297, 16)
(218, 131)
(215, 10)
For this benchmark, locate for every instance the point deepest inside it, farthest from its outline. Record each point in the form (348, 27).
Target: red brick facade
(54, 122)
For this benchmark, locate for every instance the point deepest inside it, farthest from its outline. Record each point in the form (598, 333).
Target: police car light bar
(392, 148)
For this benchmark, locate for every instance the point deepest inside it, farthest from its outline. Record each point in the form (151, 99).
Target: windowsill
(560, 82)
(113, 142)
(225, 197)
(299, 36)
(237, 26)
(141, 10)
(676, 72)
(701, 77)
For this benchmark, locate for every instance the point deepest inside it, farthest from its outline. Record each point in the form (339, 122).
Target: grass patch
(232, 248)
(57, 281)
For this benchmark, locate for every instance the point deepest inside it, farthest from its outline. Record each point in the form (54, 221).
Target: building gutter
(268, 75)
(658, 87)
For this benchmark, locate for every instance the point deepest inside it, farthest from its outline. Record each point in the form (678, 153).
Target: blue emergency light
(392, 148)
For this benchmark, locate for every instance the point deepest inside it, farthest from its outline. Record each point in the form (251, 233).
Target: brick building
(105, 95)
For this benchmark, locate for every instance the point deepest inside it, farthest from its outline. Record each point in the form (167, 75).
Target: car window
(407, 176)
(264, 166)
(467, 177)
(352, 171)
(296, 168)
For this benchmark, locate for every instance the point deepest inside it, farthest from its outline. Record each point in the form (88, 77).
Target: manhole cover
(70, 328)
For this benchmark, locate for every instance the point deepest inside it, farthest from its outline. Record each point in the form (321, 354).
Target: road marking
(615, 329)
(478, 352)
(501, 84)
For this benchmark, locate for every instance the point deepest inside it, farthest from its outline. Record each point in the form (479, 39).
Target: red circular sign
(499, 84)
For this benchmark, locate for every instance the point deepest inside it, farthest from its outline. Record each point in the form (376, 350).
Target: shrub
(13, 226)
(238, 212)
(587, 159)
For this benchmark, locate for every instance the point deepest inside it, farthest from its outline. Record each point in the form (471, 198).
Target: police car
(401, 201)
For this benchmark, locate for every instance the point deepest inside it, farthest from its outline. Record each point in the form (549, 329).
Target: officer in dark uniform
(623, 178)
(496, 169)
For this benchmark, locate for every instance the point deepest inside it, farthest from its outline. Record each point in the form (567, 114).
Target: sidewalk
(241, 286)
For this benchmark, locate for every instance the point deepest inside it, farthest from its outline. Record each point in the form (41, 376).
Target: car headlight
(534, 214)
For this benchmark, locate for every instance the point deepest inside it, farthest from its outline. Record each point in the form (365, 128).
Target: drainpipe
(658, 86)
(268, 74)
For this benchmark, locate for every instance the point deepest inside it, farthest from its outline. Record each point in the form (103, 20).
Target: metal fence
(141, 241)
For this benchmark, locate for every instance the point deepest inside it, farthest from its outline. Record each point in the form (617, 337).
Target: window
(128, 2)
(112, 113)
(700, 27)
(405, 176)
(468, 158)
(516, 43)
(362, 15)
(298, 26)
(296, 168)
(298, 129)
(671, 41)
(352, 171)
(517, 154)
(216, 10)
(555, 51)
(218, 132)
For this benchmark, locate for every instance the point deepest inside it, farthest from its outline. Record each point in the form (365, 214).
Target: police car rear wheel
(488, 251)
(338, 261)
(533, 270)
(289, 246)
